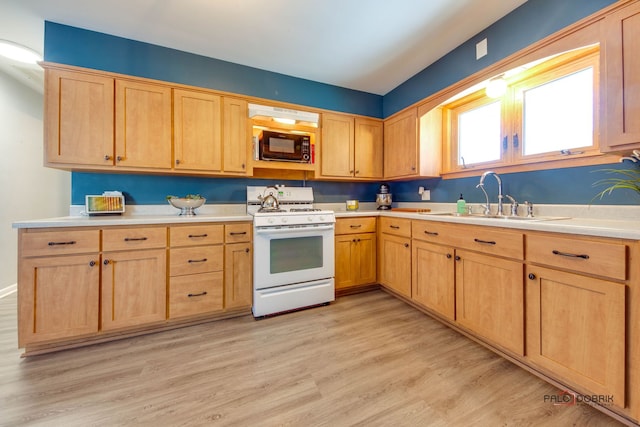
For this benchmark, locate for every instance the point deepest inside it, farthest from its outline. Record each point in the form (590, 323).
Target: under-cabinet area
(83, 284)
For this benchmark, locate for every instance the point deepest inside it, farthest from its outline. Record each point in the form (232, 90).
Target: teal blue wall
(527, 24)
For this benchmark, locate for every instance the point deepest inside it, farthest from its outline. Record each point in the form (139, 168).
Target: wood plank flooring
(367, 359)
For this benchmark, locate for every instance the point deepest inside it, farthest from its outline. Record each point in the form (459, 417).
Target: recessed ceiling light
(19, 53)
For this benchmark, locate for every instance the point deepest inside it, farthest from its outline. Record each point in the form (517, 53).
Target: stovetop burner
(263, 210)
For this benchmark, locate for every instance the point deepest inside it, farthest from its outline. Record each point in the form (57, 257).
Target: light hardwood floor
(367, 359)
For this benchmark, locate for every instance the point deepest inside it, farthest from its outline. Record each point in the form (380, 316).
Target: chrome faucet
(487, 209)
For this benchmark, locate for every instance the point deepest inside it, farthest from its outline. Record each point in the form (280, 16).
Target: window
(547, 113)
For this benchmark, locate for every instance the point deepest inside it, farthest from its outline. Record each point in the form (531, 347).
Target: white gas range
(293, 256)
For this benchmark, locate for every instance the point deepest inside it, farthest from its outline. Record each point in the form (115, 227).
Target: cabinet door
(433, 279)
(238, 276)
(197, 131)
(576, 329)
(368, 148)
(621, 80)
(337, 146)
(58, 297)
(355, 260)
(134, 288)
(143, 125)
(78, 118)
(490, 298)
(395, 263)
(235, 135)
(401, 145)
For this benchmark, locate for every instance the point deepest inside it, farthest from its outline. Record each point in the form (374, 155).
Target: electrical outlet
(426, 195)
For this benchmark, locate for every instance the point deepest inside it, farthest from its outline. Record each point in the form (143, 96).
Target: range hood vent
(302, 117)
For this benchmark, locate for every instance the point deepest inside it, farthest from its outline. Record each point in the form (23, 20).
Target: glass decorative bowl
(187, 206)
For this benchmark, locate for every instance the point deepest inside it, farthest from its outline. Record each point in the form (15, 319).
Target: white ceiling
(367, 45)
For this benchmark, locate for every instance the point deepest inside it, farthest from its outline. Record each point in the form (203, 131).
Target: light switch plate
(481, 48)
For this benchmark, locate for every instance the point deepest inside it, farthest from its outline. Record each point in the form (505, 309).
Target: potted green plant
(624, 179)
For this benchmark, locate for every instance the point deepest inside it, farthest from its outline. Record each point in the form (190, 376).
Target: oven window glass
(296, 253)
(280, 145)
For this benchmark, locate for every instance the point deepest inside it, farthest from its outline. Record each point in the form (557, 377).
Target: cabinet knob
(177, 161)
(107, 157)
(532, 276)
(457, 258)
(406, 245)
(119, 158)
(106, 262)
(92, 263)
(243, 166)
(247, 250)
(449, 256)
(351, 171)
(357, 172)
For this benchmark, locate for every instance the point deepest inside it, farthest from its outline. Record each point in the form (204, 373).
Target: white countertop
(626, 224)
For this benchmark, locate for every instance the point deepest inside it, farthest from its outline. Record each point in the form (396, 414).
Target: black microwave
(287, 147)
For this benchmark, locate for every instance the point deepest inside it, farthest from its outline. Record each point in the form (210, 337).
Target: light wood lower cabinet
(355, 252)
(576, 329)
(490, 298)
(238, 272)
(134, 288)
(433, 277)
(395, 266)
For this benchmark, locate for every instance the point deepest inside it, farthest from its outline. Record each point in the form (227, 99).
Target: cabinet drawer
(355, 225)
(45, 243)
(118, 239)
(195, 294)
(508, 244)
(435, 232)
(587, 256)
(196, 235)
(397, 226)
(198, 259)
(237, 233)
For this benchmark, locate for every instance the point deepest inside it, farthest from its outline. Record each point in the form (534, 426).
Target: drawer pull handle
(569, 255)
(431, 233)
(238, 233)
(72, 242)
(355, 225)
(487, 242)
(197, 295)
(395, 227)
(197, 260)
(134, 239)
(197, 235)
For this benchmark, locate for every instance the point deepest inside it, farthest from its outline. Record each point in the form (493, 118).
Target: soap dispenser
(461, 205)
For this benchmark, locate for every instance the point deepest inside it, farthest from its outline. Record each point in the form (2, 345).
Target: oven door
(287, 255)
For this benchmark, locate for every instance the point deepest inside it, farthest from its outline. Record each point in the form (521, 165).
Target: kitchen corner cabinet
(133, 276)
(355, 252)
(394, 253)
(620, 80)
(143, 125)
(238, 269)
(58, 285)
(351, 147)
(78, 119)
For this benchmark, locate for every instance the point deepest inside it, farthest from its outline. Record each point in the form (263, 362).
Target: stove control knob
(309, 218)
(270, 220)
(284, 220)
(321, 218)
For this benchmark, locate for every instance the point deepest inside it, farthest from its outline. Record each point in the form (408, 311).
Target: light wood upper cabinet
(351, 147)
(413, 144)
(576, 329)
(235, 135)
(620, 77)
(78, 118)
(197, 130)
(143, 125)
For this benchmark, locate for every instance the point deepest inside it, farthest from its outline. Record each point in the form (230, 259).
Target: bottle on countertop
(461, 205)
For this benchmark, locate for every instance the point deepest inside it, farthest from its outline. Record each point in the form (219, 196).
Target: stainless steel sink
(500, 217)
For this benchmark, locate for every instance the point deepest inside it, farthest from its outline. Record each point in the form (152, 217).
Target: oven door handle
(290, 229)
